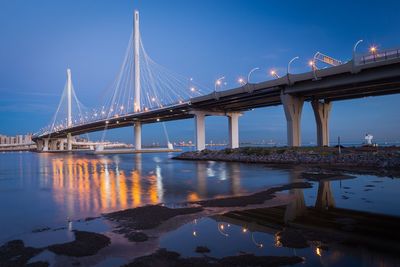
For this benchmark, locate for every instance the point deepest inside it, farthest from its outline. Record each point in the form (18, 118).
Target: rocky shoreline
(366, 160)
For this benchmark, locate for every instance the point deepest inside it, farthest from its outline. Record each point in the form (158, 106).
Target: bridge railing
(378, 56)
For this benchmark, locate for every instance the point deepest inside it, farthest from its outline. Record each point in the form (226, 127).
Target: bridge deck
(346, 81)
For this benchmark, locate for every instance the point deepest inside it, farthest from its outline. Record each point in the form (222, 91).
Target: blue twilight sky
(203, 39)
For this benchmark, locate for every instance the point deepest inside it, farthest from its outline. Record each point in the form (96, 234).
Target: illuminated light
(191, 79)
(153, 99)
(373, 49)
(121, 107)
(241, 81)
(117, 122)
(192, 89)
(311, 63)
(221, 227)
(107, 122)
(146, 109)
(244, 230)
(194, 233)
(158, 119)
(318, 251)
(218, 82)
(103, 112)
(95, 114)
(278, 242)
(180, 101)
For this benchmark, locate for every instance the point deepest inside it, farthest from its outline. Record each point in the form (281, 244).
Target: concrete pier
(138, 135)
(234, 129)
(293, 106)
(321, 113)
(69, 142)
(199, 119)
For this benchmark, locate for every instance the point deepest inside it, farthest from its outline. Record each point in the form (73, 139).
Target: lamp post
(251, 71)
(241, 81)
(288, 68)
(355, 48)
(274, 74)
(217, 83)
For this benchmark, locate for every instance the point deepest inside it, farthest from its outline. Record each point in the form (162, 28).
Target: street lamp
(217, 83)
(373, 49)
(274, 74)
(241, 81)
(288, 65)
(248, 75)
(355, 47)
(288, 68)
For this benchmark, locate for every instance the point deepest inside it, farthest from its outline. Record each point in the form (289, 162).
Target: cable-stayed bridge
(145, 92)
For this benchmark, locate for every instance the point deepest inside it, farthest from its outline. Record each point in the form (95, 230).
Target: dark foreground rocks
(166, 258)
(131, 221)
(85, 244)
(15, 254)
(148, 217)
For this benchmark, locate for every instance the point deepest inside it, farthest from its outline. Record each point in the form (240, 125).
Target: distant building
(18, 139)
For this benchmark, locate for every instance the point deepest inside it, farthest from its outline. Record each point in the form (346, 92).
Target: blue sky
(201, 39)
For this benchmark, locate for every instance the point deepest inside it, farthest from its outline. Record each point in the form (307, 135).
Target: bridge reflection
(99, 184)
(93, 185)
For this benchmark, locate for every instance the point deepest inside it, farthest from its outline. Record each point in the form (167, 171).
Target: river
(39, 190)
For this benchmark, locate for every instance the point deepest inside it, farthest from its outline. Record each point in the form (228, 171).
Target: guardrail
(378, 56)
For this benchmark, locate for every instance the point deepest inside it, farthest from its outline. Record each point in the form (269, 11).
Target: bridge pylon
(137, 102)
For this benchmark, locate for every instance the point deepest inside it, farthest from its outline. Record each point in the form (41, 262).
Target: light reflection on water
(39, 190)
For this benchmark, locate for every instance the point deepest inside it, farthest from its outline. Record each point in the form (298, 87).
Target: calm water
(45, 190)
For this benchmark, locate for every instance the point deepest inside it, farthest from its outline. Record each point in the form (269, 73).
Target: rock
(166, 258)
(38, 264)
(85, 244)
(136, 237)
(147, 217)
(202, 249)
(39, 230)
(15, 254)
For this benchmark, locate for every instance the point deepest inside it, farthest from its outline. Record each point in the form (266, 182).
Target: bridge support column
(321, 112)
(46, 144)
(39, 145)
(293, 106)
(69, 142)
(138, 135)
(61, 146)
(53, 144)
(200, 129)
(234, 129)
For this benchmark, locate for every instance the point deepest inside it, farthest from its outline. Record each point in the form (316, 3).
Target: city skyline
(95, 58)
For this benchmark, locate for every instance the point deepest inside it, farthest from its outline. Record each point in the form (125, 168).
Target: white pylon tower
(69, 98)
(137, 104)
(136, 36)
(69, 108)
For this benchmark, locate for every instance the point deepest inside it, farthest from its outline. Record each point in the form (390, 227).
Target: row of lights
(241, 81)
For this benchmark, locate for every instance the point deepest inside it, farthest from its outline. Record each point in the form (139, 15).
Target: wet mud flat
(146, 224)
(380, 161)
(143, 226)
